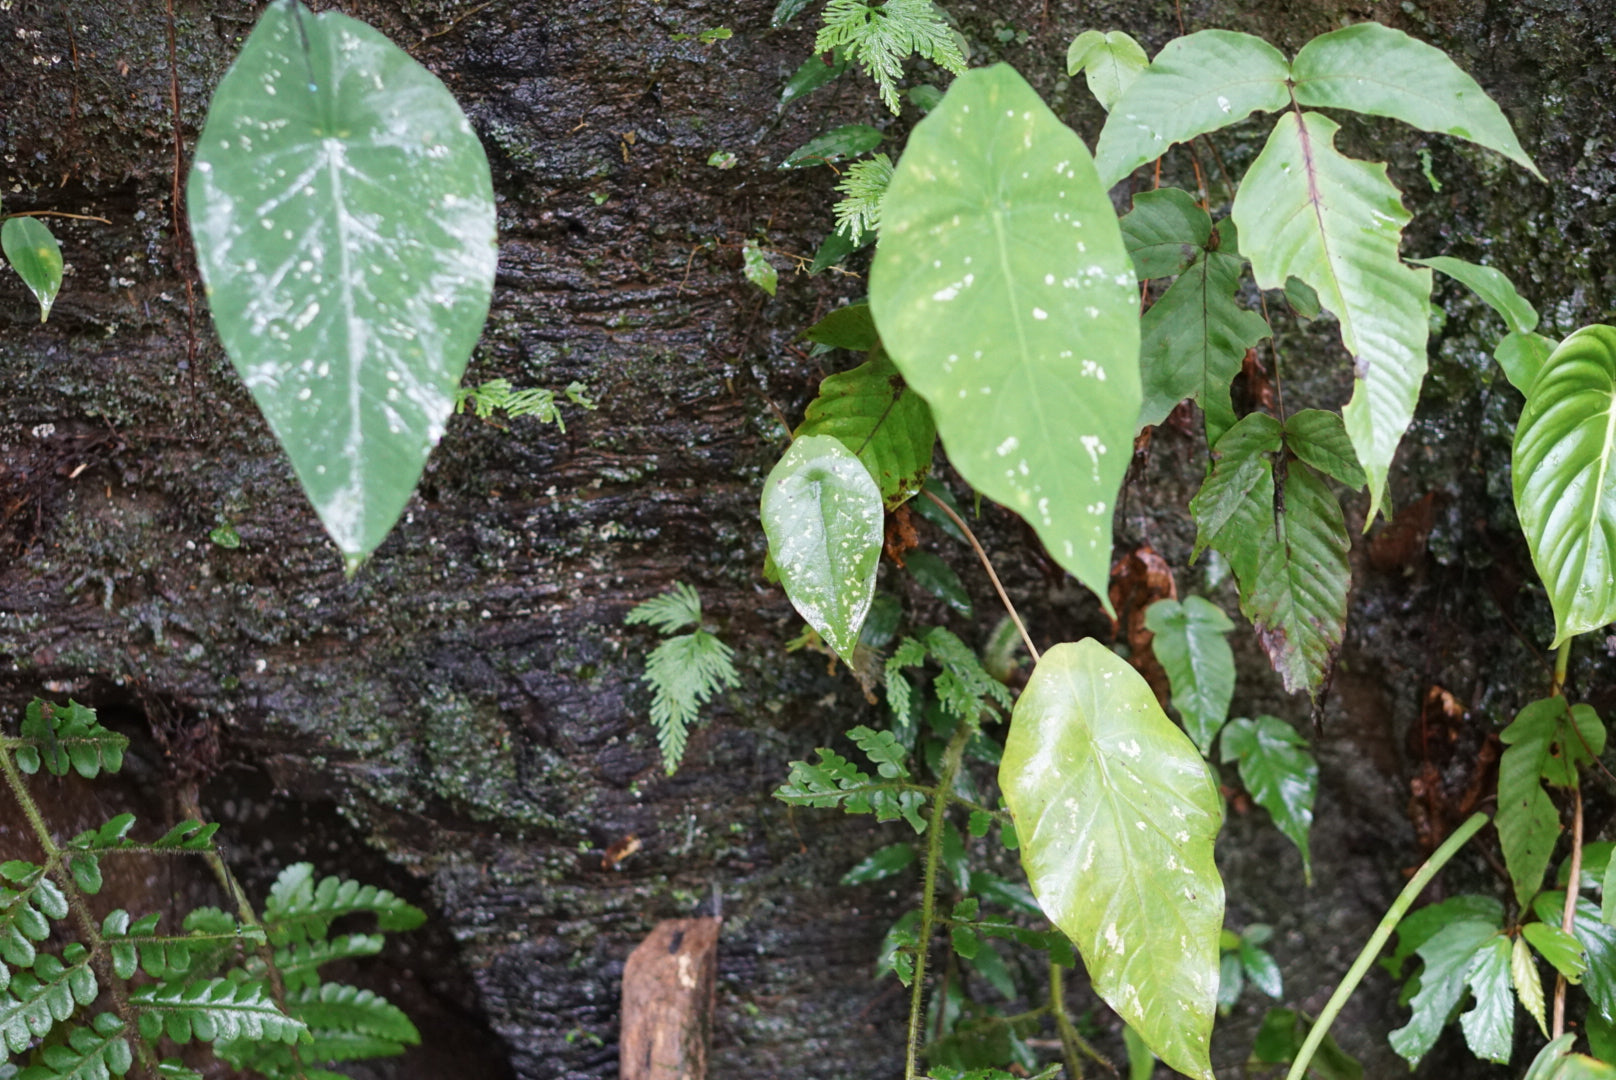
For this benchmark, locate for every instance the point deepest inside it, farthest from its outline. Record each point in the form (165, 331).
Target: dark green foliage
(299, 909)
(64, 737)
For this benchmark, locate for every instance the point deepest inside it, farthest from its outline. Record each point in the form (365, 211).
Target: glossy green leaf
(1522, 356)
(1110, 62)
(1420, 926)
(758, 269)
(1302, 299)
(1192, 644)
(1559, 948)
(813, 73)
(881, 864)
(343, 217)
(1241, 471)
(1556, 1061)
(1449, 955)
(1306, 211)
(1003, 290)
(1541, 746)
(1598, 942)
(1195, 85)
(847, 141)
(1261, 970)
(36, 257)
(822, 515)
(878, 418)
(1528, 983)
(1117, 812)
(1194, 338)
(1319, 438)
(1370, 68)
(1489, 1026)
(1280, 773)
(1607, 895)
(1164, 232)
(1565, 483)
(939, 579)
(836, 247)
(1492, 285)
(851, 327)
(1601, 1038)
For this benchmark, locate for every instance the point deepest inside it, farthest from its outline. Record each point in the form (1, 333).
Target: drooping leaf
(1164, 232)
(1110, 62)
(1304, 210)
(939, 579)
(758, 269)
(822, 515)
(828, 147)
(1370, 68)
(1522, 356)
(1489, 1026)
(1280, 773)
(881, 864)
(1492, 285)
(37, 258)
(813, 73)
(1116, 812)
(1191, 643)
(1002, 289)
(878, 418)
(1319, 438)
(1528, 983)
(343, 216)
(1541, 745)
(1449, 955)
(1196, 84)
(1565, 482)
(1261, 970)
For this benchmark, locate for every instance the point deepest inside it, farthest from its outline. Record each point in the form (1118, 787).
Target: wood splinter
(668, 987)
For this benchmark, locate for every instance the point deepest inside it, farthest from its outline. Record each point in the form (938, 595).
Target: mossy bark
(465, 717)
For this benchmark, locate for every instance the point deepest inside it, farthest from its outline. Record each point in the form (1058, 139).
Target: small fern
(497, 395)
(685, 671)
(880, 37)
(862, 187)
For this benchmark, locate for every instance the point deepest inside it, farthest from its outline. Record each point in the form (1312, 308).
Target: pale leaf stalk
(1568, 919)
(1004, 598)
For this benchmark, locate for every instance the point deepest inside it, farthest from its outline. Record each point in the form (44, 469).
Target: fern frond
(174, 1069)
(334, 1008)
(67, 736)
(881, 37)
(36, 1000)
(25, 913)
(300, 910)
(883, 748)
(834, 781)
(964, 682)
(89, 1053)
(299, 962)
(211, 1010)
(210, 937)
(862, 188)
(683, 673)
(497, 395)
(669, 612)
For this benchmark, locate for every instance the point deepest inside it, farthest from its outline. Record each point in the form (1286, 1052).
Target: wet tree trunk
(464, 720)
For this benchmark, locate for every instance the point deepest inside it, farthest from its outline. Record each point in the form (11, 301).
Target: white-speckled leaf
(1305, 210)
(344, 224)
(1117, 812)
(823, 516)
(1564, 470)
(1002, 289)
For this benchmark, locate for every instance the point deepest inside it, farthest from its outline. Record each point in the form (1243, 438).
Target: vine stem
(1377, 941)
(1568, 918)
(1562, 663)
(1073, 1046)
(1004, 598)
(952, 757)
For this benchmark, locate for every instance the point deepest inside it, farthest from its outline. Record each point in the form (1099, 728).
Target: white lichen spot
(1039, 313)
(1008, 446)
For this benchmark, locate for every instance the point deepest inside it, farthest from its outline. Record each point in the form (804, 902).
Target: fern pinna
(126, 992)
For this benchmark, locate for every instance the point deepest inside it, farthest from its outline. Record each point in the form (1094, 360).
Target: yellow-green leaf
(1110, 62)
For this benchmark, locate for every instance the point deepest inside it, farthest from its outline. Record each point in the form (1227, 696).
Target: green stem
(1377, 941)
(1073, 1046)
(1562, 662)
(928, 901)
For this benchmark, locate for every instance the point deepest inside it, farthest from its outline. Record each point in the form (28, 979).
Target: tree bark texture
(464, 720)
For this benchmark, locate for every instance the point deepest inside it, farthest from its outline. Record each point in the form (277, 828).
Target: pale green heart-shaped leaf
(1110, 62)
(1370, 68)
(876, 416)
(1196, 84)
(1192, 644)
(1542, 746)
(822, 514)
(1276, 767)
(1522, 356)
(1492, 286)
(1116, 812)
(1489, 1026)
(1528, 983)
(343, 217)
(1003, 291)
(1319, 438)
(1164, 232)
(1304, 210)
(1448, 955)
(36, 257)
(1565, 485)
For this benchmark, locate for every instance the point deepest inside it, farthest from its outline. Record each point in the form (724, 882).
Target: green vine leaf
(1241, 471)
(851, 327)
(1191, 641)
(36, 257)
(1560, 949)
(1449, 955)
(1164, 232)
(1004, 293)
(1556, 1061)
(1302, 211)
(881, 864)
(1542, 746)
(1522, 356)
(1117, 812)
(1319, 438)
(1195, 85)
(1564, 482)
(1528, 983)
(758, 269)
(822, 514)
(881, 36)
(1110, 62)
(1492, 285)
(1281, 775)
(1373, 69)
(828, 147)
(1489, 1027)
(811, 74)
(343, 217)
(1599, 943)
(876, 416)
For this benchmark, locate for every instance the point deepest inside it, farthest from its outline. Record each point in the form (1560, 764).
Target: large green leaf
(1192, 644)
(1241, 471)
(1306, 211)
(36, 257)
(1565, 486)
(1449, 955)
(873, 413)
(344, 225)
(1279, 772)
(1489, 1026)
(1522, 356)
(1598, 939)
(1370, 68)
(1542, 746)
(1116, 812)
(1196, 84)
(822, 514)
(1318, 437)
(1492, 285)
(1003, 291)
(1110, 62)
